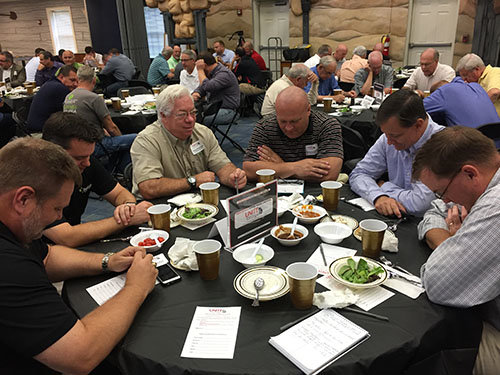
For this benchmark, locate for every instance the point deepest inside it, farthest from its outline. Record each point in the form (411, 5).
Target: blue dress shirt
(326, 86)
(381, 158)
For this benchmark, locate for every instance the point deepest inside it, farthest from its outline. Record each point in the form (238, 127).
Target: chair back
(138, 82)
(346, 86)
(268, 77)
(211, 109)
(490, 130)
(399, 83)
(353, 142)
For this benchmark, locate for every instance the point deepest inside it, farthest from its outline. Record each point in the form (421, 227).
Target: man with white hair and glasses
(175, 154)
(472, 69)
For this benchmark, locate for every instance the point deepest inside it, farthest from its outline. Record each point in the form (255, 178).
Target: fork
(394, 227)
(389, 263)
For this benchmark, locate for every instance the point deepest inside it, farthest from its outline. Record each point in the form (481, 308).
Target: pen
(322, 253)
(291, 324)
(361, 312)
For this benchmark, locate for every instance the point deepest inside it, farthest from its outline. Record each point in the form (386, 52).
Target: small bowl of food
(242, 255)
(197, 213)
(358, 272)
(147, 239)
(308, 213)
(332, 232)
(282, 234)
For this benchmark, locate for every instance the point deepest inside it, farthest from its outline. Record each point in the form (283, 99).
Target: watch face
(192, 180)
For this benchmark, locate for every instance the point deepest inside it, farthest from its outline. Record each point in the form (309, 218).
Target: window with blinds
(155, 30)
(61, 28)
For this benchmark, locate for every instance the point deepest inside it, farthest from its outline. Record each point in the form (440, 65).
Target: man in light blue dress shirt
(406, 127)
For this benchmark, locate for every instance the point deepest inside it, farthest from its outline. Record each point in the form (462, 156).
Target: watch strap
(105, 261)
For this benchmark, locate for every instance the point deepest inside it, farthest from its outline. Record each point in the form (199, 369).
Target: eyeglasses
(183, 114)
(441, 195)
(185, 60)
(3, 60)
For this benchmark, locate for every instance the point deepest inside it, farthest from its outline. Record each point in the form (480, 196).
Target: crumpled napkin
(183, 199)
(182, 256)
(334, 298)
(343, 177)
(288, 202)
(390, 243)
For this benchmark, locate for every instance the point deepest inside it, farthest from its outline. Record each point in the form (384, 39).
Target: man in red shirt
(248, 47)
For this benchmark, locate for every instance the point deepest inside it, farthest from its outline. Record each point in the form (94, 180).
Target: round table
(419, 337)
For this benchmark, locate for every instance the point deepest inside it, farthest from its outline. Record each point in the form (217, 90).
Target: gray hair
(190, 53)
(360, 51)
(298, 71)
(327, 60)
(166, 99)
(85, 73)
(167, 52)
(324, 49)
(470, 62)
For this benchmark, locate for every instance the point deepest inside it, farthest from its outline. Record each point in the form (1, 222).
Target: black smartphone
(167, 275)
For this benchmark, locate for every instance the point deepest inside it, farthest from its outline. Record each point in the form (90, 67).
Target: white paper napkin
(334, 298)
(362, 203)
(182, 255)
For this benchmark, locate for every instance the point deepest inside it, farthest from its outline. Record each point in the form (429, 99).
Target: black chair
(346, 86)
(21, 119)
(211, 109)
(127, 177)
(138, 90)
(137, 74)
(492, 131)
(268, 76)
(400, 82)
(138, 82)
(355, 148)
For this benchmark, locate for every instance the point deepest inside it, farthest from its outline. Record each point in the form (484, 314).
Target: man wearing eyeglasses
(325, 71)
(460, 164)
(175, 154)
(430, 72)
(8, 69)
(189, 75)
(406, 127)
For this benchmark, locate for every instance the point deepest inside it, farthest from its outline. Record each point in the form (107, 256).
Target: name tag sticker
(312, 150)
(197, 147)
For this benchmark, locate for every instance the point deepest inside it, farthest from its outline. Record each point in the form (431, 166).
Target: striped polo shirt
(322, 139)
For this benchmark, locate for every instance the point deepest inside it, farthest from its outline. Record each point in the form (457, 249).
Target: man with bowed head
(175, 154)
(39, 331)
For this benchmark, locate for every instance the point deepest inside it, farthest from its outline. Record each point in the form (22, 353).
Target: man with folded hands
(406, 127)
(175, 154)
(295, 142)
(461, 165)
(40, 333)
(78, 138)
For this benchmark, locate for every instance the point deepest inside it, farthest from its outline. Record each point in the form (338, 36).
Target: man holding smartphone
(38, 330)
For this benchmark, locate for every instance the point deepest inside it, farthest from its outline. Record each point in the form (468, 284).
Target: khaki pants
(248, 89)
(488, 356)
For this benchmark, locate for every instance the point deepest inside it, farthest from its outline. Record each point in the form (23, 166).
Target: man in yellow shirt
(472, 69)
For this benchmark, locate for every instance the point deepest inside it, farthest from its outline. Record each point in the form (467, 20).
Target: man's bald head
(292, 111)
(429, 61)
(378, 47)
(375, 60)
(340, 52)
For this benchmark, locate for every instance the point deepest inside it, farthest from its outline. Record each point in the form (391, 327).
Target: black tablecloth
(420, 336)
(131, 123)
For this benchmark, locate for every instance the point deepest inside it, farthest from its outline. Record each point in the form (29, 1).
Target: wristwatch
(105, 261)
(191, 181)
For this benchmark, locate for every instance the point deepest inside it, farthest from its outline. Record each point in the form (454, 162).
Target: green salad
(196, 213)
(360, 273)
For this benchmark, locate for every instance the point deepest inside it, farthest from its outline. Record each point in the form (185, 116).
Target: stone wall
(23, 35)
(465, 27)
(354, 22)
(222, 21)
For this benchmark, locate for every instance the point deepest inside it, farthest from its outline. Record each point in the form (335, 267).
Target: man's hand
(420, 93)
(239, 176)
(349, 94)
(122, 260)
(389, 206)
(455, 218)
(196, 96)
(203, 177)
(380, 182)
(311, 169)
(170, 75)
(267, 154)
(338, 98)
(142, 273)
(200, 64)
(311, 77)
(131, 213)
(40, 67)
(387, 90)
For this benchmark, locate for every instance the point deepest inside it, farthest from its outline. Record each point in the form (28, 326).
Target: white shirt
(190, 81)
(312, 61)
(6, 74)
(419, 81)
(31, 68)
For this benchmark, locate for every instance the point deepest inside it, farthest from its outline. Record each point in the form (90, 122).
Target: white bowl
(339, 263)
(139, 237)
(284, 242)
(243, 252)
(331, 232)
(308, 207)
(213, 211)
(126, 105)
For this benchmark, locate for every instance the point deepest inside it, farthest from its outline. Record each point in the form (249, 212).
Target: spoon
(258, 284)
(394, 227)
(291, 236)
(389, 263)
(251, 258)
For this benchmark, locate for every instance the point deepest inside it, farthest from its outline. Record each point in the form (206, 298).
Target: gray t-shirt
(87, 105)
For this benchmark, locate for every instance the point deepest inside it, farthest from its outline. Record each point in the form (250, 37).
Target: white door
(433, 24)
(273, 23)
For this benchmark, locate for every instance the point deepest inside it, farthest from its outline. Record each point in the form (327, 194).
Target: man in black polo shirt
(295, 142)
(78, 138)
(50, 98)
(39, 332)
